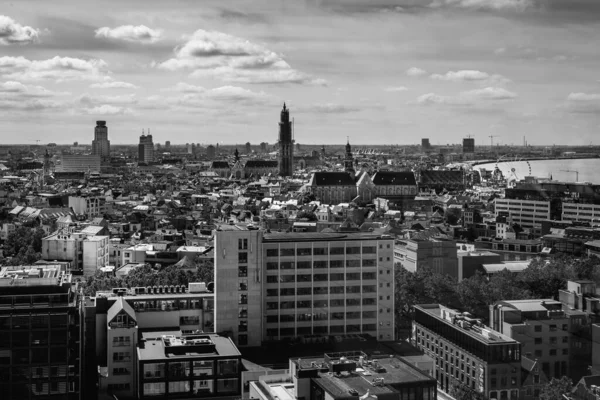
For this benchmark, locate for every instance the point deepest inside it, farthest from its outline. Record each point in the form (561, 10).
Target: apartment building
(468, 352)
(284, 285)
(40, 327)
(87, 253)
(438, 254)
(527, 213)
(174, 366)
(581, 212)
(91, 206)
(123, 314)
(542, 328)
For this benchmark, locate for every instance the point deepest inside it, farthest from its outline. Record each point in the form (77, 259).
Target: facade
(101, 144)
(468, 352)
(344, 376)
(468, 145)
(527, 213)
(286, 144)
(87, 253)
(332, 187)
(210, 152)
(275, 286)
(120, 316)
(425, 144)
(542, 328)
(395, 185)
(257, 168)
(581, 212)
(437, 254)
(79, 163)
(146, 149)
(88, 205)
(40, 326)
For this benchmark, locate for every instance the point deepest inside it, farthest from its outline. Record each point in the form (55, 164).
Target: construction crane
(492, 140)
(572, 170)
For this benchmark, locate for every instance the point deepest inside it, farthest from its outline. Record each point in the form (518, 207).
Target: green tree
(556, 388)
(308, 215)
(452, 215)
(460, 391)
(24, 245)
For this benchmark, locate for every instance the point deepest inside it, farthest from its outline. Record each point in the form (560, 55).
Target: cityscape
(304, 231)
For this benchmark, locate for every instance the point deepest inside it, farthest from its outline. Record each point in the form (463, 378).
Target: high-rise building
(41, 331)
(101, 144)
(285, 285)
(146, 149)
(468, 145)
(210, 152)
(286, 144)
(425, 145)
(263, 147)
(168, 145)
(248, 148)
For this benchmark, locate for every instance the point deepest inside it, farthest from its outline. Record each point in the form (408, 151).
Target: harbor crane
(492, 140)
(572, 170)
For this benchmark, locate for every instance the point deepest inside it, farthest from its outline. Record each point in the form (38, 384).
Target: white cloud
(107, 109)
(469, 75)
(500, 50)
(332, 108)
(583, 102)
(187, 88)
(12, 32)
(396, 89)
(30, 104)
(113, 85)
(199, 97)
(119, 100)
(57, 68)
(584, 97)
(471, 97)
(18, 89)
(130, 33)
(512, 5)
(233, 59)
(414, 71)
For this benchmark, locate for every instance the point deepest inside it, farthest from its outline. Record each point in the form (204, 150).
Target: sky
(373, 71)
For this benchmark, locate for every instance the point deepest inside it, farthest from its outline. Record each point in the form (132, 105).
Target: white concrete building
(527, 213)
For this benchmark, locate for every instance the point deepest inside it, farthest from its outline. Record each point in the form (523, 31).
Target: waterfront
(560, 170)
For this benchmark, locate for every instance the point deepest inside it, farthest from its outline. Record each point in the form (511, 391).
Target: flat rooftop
(533, 304)
(320, 236)
(157, 346)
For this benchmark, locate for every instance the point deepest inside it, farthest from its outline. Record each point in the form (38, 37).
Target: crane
(492, 140)
(572, 170)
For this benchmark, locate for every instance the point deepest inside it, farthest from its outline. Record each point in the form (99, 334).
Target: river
(588, 170)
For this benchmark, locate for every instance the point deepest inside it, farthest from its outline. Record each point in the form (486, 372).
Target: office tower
(286, 144)
(284, 285)
(263, 147)
(210, 152)
(468, 145)
(101, 144)
(40, 327)
(146, 149)
(168, 145)
(425, 145)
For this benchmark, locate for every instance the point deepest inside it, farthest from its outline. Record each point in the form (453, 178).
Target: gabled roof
(331, 179)
(117, 307)
(220, 164)
(394, 178)
(261, 164)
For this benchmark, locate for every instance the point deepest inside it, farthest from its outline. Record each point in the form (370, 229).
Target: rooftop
(34, 275)
(320, 236)
(173, 345)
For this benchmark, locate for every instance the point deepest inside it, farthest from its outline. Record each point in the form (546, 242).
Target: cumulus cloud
(130, 33)
(111, 100)
(332, 108)
(584, 97)
(113, 85)
(233, 59)
(396, 89)
(30, 104)
(12, 32)
(57, 68)
(414, 71)
(468, 75)
(107, 109)
(510, 5)
(18, 89)
(583, 102)
(470, 97)
(19, 96)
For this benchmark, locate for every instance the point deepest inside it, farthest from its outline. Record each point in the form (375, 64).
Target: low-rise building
(437, 254)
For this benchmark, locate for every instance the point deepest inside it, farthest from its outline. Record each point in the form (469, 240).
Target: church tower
(286, 144)
(349, 160)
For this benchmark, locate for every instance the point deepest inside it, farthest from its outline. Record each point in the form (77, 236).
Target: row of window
(321, 264)
(321, 316)
(184, 369)
(320, 330)
(290, 305)
(321, 251)
(307, 291)
(349, 276)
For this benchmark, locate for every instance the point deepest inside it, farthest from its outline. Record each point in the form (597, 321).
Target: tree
(460, 391)
(452, 215)
(308, 215)
(24, 245)
(556, 388)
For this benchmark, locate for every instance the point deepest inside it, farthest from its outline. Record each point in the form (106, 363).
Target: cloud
(18, 89)
(57, 68)
(30, 105)
(583, 102)
(107, 109)
(130, 33)
(233, 59)
(468, 75)
(118, 100)
(584, 97)
(329, 108)
(396, 89)
(468, 98)
(12, 32)
(510, 5)
(113, 85)
(414, 71)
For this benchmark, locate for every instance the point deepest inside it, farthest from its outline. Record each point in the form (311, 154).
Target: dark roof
(332, 179)
(441, 177)
(590, 380)
(261, 164)
(394, 178)
(219, 164)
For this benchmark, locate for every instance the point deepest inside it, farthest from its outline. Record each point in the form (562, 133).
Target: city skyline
(380, 71)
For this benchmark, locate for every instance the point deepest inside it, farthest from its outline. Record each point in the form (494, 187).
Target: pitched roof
(220, 164)
(331, 179)
(117, 307)
(261, 164)
(394, 178)
(433, 177)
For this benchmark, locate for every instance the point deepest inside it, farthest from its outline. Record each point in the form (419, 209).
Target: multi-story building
(174, 366)
(468, 145)
(87, 163)
(332, 187)
(40, 327)
(286, 143)
(146, 149)
(467, 352)
(581, 212)
(91, 206)
(542, 328)
(120, 317)
(353, 374)
(437, 254)
(87, 253)
(527, 213)
(272, 286)
(101, 144)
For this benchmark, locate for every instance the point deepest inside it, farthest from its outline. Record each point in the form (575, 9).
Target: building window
(227, 385)
(202, 368)
(537, 328)
(154, 370)
(242, 244)
(243, 258)
(242, 340)
(154, 388)
(227, 367)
